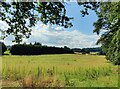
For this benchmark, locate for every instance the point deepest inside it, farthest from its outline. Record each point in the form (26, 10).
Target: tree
(110, 13)
(37, 43)
(20, 16)
(108, 19)
(3, 48)
(65, 47)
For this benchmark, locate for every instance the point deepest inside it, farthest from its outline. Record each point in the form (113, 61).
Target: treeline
(97, 49)
(37, 49)
(88, 50)
(3, 48)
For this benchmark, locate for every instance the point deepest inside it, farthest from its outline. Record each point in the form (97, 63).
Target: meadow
(63, 70)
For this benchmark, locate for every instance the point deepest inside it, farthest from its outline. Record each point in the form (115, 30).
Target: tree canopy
(20, 16)
(108, 19)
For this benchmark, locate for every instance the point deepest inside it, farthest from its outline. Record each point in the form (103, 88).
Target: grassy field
(65, 70)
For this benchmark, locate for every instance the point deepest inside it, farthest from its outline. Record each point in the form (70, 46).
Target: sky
(79, 36)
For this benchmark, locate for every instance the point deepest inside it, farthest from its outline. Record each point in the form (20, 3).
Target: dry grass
(59, 70)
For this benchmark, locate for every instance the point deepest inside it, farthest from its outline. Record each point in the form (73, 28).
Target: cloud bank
(58, 36)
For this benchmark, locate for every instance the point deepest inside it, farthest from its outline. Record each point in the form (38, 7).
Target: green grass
(65, 70)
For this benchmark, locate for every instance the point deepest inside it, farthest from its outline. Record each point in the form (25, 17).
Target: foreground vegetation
(65, 70)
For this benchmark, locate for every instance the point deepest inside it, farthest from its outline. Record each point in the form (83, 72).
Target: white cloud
(58, 36)
(3, 27)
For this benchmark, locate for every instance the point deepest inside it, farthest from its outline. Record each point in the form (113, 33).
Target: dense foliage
(108, 19)
(26, 49)
(3, 48)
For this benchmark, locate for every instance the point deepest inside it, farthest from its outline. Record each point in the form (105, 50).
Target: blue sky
(79, 36)
(83, 24)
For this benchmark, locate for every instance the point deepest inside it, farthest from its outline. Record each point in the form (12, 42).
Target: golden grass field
(63, 70)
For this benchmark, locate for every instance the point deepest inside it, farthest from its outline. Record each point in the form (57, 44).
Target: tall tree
(108, 19)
